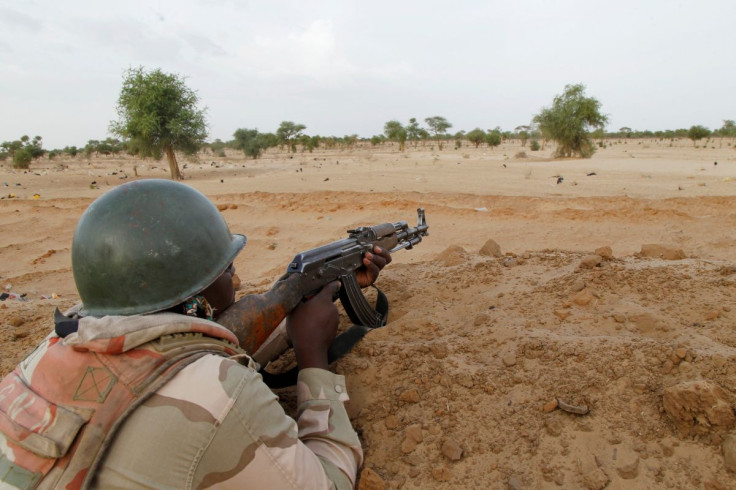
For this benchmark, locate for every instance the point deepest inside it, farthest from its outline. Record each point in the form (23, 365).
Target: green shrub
(534, 145)
(22, 158)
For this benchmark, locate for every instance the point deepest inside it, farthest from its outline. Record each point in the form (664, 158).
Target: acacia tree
(394, 131)
(158, 115)
(698, 132)
(288, 132)
(439, 126)
(413, 131)
(728, 130)
(476, 136)
(493, 137)
(522, 132)
(569, 120)
(247, 141)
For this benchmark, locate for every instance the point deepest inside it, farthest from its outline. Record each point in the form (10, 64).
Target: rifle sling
(342, 344)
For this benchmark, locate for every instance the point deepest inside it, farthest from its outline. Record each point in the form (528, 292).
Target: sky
(346, 67)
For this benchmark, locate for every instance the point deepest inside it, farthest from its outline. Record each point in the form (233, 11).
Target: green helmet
(148, 245)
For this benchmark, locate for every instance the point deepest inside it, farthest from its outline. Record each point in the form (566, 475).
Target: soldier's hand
(372, 265)
(312, 327)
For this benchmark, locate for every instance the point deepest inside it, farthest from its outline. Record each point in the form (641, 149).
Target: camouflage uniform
(193, 417)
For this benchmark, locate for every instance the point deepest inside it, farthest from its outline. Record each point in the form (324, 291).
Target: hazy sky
(343, 67)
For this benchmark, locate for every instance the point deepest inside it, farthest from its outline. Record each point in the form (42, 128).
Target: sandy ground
(461, 388)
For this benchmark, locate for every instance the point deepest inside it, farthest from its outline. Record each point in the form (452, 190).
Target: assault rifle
(254, 317)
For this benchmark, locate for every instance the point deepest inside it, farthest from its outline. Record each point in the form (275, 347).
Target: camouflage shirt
(214, 423)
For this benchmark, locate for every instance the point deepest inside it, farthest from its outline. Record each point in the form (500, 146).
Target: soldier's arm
(257, 445)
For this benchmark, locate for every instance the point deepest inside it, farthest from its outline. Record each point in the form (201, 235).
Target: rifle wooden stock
(254, 317)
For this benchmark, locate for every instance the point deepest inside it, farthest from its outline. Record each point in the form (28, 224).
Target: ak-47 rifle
(254, 317)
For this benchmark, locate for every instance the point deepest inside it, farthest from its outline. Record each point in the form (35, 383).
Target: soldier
(140, 387)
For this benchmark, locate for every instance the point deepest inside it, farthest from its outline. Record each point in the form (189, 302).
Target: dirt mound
(457, 390)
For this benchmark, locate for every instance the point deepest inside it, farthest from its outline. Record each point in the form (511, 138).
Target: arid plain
(612, 291)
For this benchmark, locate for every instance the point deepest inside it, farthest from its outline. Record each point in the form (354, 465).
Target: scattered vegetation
(22, 151)
(158, 114)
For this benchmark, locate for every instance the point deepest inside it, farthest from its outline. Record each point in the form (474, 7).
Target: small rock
(21, 333)
(550, 406)
(509, 359)
(392, 422)
(553, 426)
(480, 320)
(414, 460)
(439, 350)
(441, 474)
(698, 407)
(729, 452)
(491, 249)
(596, 479)
(414, 432)
(681, 352)
(370, 480)
(465, 380)
(452, 450)
(222, 207)
(590, 261)
(583, 298)
(713, 315)
(410, 396)
(578, 285)
(408, 445)
(514, 483)
(627, 463)
(685, 367)
(604, 252)
(510, 262)
(561, 314)
(668, 449)
(619, 318)
(16, 321)
(593, 477)
(662, 252)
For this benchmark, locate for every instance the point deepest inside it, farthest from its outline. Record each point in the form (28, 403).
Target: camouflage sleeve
(258, 446)
(323, 422)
